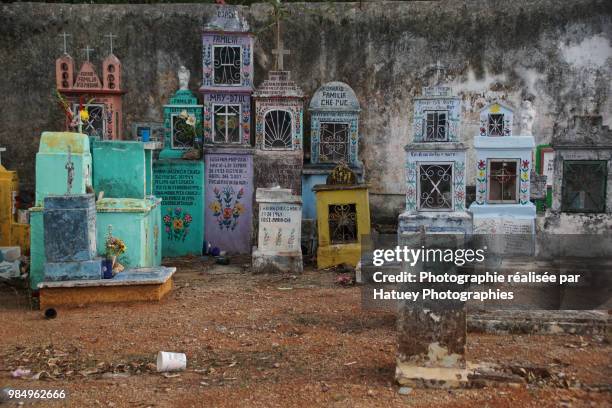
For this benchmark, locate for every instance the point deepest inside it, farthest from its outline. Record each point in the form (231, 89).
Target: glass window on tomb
(278, 130)
(503, 181)
(95, 125)
(227, 124)
(436, 126)
(496, 124)
(584, 185)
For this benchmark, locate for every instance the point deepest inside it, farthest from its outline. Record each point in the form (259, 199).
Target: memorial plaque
(279, 227)
(180, 186)
(229, 196)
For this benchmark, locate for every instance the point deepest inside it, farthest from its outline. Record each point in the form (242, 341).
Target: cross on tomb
(439, 68)
(70, 168)
(65, 41)
(87, 51)
(111, 36)
(279, 51)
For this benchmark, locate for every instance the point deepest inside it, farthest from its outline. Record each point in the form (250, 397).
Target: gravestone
(227, 85)
(280, 222)
(180, 182)
(70, 238)
(101, 97)
(343, 218)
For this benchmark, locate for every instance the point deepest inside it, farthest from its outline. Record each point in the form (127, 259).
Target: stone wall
(559, 52)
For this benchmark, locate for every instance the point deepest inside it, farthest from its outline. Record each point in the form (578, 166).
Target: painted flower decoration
(166, 219)
(525, 163)
(227, 213)
(178, 224)
(481, 164)
(215, 207)
(188, 218)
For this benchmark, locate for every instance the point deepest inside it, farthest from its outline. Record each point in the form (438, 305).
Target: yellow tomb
(343, 217)
(12, 233)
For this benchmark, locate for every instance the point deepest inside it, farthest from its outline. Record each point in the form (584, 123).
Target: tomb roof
(335, 96)
(278, 85)
(228, 19)
(584, 131)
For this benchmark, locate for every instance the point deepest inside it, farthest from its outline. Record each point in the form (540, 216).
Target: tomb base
(504, 218)
(135, 285)
(277, 263)
(64, 271)
(332, 255)
(437, 222)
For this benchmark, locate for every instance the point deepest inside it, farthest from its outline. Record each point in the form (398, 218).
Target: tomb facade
(503, 175)
(102, 97)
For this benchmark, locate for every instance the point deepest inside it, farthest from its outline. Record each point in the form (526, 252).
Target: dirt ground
(266, 341)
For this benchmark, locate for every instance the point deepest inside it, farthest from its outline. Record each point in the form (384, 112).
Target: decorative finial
(65, 41)
(110, 37)
(70, 168)
(183, 78)
(87, 51)
(439, 69)
(528, 114)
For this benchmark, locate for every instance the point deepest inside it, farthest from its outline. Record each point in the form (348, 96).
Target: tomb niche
(503, 176)
(179, 174)
(334, 138)
(582, 179)
(227, 85)
(343, 217)
(101, 97)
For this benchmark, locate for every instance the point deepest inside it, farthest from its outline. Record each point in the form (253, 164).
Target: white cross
(111, 36)
(279, 51)
(439, 68)
(87, 50)
(65, 42)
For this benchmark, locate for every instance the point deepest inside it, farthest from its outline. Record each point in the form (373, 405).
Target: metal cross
(87, 50)
(65, 42)
(111, 36)
(70, 168)
(279, 51)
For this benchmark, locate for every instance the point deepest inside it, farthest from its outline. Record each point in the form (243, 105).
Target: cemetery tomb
(123, 170)
(436, 167)
(102, 97)
(582, 178)
(343, 210)
(503, 175)
(334, 138)
(180, 182)
(12, 232)
(227, 85)
(279, 240)
(57, 151)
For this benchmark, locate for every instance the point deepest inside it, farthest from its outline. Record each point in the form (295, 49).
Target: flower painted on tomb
(481, 173)
(481, 164)
(176, 224)
(525, 164)
(227, 207)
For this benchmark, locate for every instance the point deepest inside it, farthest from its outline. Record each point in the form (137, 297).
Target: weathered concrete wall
(558, 51)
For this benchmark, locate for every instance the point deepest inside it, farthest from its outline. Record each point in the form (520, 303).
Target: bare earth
(266, 341)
